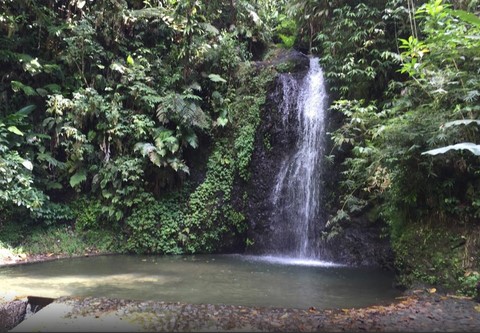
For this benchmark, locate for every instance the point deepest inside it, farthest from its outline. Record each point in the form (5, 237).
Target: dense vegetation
(124, 123)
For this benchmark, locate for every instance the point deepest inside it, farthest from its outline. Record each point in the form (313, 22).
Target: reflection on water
(215, 279)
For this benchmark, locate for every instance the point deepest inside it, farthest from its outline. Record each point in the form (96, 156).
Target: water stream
(297, 191)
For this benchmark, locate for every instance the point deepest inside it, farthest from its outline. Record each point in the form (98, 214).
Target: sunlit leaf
(130, 60)
(216, 78)
(221, 121)
(117, 67)
(80, 4)
(210, 28)
(15, 130)
(461, 122)
(472, 147)
(144, 148)
(27, 164)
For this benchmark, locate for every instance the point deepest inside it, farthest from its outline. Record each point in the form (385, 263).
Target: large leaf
(78, 177)
(472, 147)
(216, 78)
(15, 130)
(27, 90)
(27, 164)
(222, 121)
(144, 148)
(53, 88)
(47, 157)
(155, 158)
(130, 60)
(466, 16)
(192, 139)
(461, 122)
(209, 28)
(26, 110)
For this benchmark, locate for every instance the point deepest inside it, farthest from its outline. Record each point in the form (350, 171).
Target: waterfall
(297, 189)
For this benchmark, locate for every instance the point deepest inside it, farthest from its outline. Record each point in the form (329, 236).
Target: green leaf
(216, 78)
(54, 186)
(53, 88)
(222, 121)
(15, 130)
(42, 92)
(144, 148)
(163, 134)
(117, 67)
(26, 110)
(466, 16)
(472, 147)
(27, 90)
(78, 177)
(192, 139)
(217, 96)
(47, 157)
(130, 60)
(118, 215)
(210, 28)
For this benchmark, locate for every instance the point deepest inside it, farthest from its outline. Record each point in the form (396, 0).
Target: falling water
(296, 193)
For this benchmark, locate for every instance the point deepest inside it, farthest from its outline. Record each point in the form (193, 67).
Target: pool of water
(214, 279)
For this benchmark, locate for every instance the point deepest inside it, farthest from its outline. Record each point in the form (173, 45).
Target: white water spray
(296, 193)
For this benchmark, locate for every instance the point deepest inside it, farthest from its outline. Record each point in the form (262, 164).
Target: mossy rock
(287, 61)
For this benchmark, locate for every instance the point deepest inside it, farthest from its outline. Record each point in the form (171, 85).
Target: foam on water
(292, 261)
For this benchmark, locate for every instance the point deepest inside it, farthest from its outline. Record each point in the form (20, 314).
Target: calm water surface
(214, 279)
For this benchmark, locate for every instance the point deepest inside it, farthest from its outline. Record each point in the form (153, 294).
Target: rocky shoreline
(419, 310)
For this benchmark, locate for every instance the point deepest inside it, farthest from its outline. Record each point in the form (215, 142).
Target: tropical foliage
(413, 145)
(104, 103)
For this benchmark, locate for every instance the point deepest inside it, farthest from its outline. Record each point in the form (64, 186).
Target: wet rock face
(359, 244)
(286, 61)
(272, 144)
